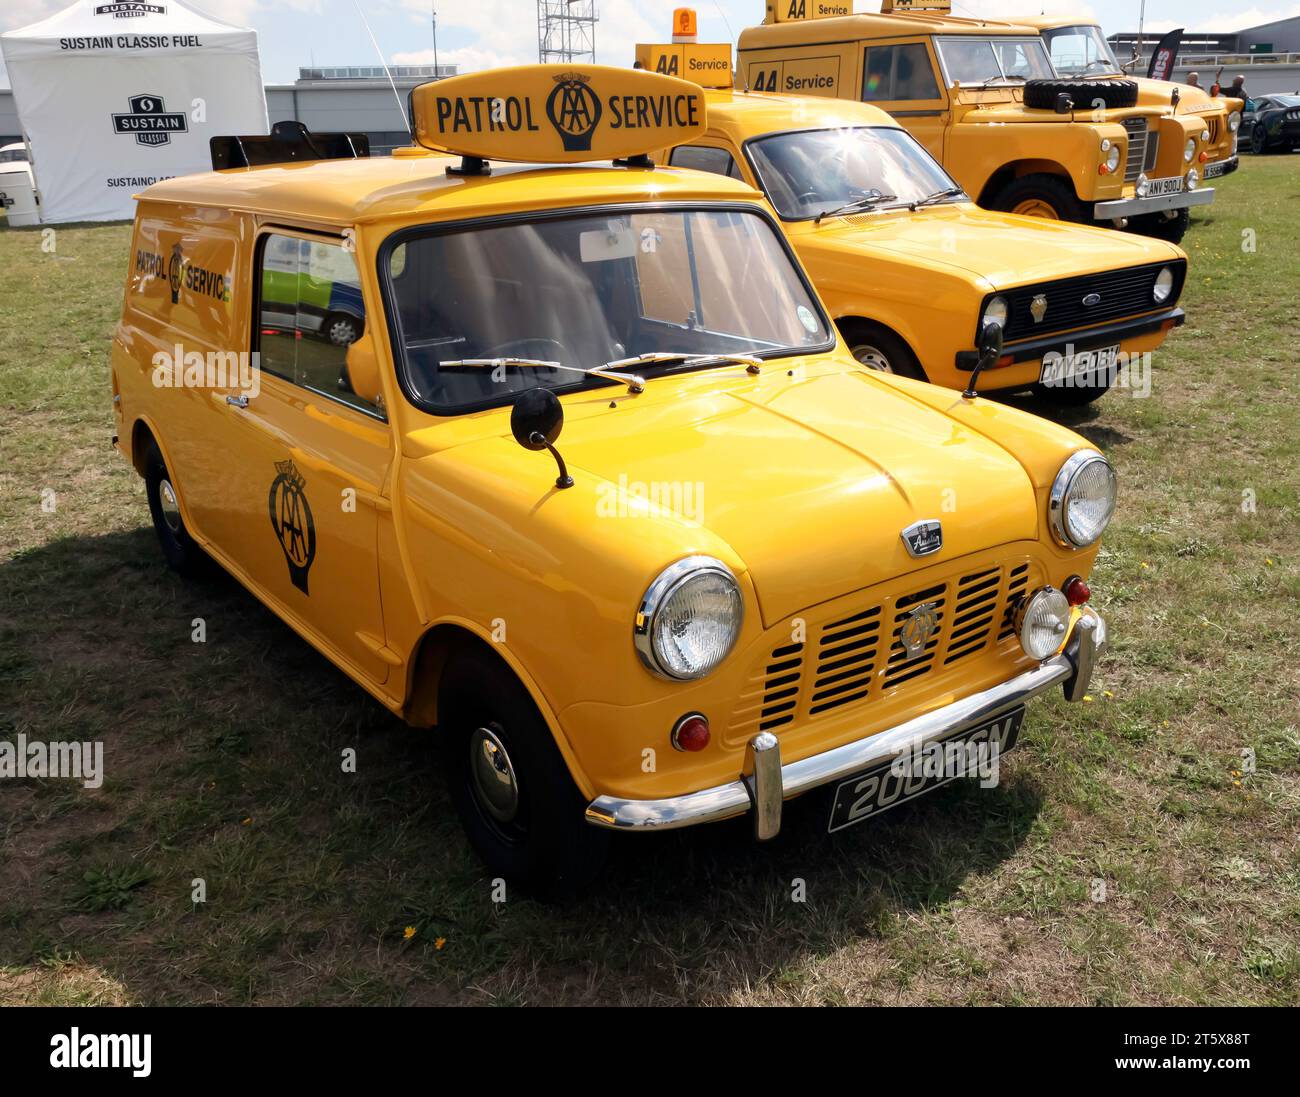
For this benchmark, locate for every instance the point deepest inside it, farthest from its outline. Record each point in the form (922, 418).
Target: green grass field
(223, 758)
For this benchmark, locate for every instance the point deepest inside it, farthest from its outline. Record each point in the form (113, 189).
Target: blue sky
(483, 33)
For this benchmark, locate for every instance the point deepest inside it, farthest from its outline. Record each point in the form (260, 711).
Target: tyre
(1112, 94)
(1041, 195)
(520, 808)
(1258, 140)
(342, 329)
(1157, 225)
(878, 348)
(181, 552)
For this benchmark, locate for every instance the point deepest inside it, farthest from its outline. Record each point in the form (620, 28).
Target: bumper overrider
(764, 783)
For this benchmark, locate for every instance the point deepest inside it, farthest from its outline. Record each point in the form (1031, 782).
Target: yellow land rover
(983, 98)
(1079, 50)
(911, 270)
(748, 567)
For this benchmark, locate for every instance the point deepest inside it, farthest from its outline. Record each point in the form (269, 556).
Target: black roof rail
(287, 142)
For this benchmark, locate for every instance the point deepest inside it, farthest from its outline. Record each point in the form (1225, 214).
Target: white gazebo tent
(115, 96)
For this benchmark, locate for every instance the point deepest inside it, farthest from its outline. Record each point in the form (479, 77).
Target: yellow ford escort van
(912, 270)
(983, 97)
(596, 488)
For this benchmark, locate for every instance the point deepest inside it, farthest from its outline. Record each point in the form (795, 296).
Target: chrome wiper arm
(865, 203)
(938, 196)
(633, 382)
(751, 363)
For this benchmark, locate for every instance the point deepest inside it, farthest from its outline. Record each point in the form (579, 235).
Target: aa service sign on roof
(114, 96)
(557, 113)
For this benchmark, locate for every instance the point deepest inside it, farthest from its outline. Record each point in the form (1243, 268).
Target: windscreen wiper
(870, 201)
(633, 382)
(937, 196)
(657, 357)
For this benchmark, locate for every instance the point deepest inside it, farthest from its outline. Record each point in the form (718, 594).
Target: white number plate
(1172, 185)
(1063, 369)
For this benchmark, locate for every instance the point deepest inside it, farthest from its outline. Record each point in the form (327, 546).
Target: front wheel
(1161, 227)
(518, 805)
(1041, 195)
(878, 348)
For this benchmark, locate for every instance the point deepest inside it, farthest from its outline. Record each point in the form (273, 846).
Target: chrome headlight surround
(1234, 121)
(995, 312)
(1163, 285)
(1042, 622)
(673, 583)
(1063, 496)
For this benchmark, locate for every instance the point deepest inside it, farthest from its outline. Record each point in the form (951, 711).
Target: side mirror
(990, 344)
(536, 420)
(363, 369)
(1064, 104)
(1174, 97)
(990, 351)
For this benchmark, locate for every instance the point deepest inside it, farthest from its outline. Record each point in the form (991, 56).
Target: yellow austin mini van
(982, 97)
(595, 489)
(911, 270)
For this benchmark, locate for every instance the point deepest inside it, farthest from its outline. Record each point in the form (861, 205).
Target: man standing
(1194, 79)
(1238, 89)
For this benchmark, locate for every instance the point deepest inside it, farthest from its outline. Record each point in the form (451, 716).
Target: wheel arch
(429, 658)
(143, 431)
(899, 332)
(1018, 169)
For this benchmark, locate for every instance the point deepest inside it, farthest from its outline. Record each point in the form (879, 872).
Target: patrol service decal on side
(292, 522)
(557, 113)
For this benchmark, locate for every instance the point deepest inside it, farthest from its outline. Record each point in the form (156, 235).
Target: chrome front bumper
(765, 783)
(1135, 207)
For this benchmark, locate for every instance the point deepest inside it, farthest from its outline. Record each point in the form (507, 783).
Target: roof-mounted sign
(942, 7)
(556, 113)
(705, 63)
(795, 11)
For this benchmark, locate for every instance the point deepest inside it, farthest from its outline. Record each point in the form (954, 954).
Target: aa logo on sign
(574, 110)
(149, 121)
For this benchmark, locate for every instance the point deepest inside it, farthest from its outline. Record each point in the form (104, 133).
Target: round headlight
(1234, 120)
(1082, 499)
(689, 618)
(1189, 150)
(995, 312)
(1042, 621)
(1205, 135)
(1112, 158)
(1193, 179)
(1164, 285)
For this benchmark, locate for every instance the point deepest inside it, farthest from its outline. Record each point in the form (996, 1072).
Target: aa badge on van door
(291, 519)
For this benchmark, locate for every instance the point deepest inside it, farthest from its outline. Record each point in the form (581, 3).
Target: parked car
(748, 568)
(1271, 123)
(911, 269)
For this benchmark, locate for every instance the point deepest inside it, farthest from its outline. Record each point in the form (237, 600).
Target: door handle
(240, 401)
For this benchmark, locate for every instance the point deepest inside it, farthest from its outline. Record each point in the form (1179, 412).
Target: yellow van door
(903, 78)
(307, 457)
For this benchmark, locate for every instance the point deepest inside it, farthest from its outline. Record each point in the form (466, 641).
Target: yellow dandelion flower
(1087, 696)
(408, 933)
(439, 943)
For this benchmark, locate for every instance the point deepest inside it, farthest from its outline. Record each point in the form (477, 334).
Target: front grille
(857, 655)
(1123, 293)
(1138, 132)
(1212, 124)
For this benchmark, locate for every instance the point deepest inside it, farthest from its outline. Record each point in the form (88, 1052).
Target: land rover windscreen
(570, 300)
(812, 173)
(972, 61)
(1080, 50)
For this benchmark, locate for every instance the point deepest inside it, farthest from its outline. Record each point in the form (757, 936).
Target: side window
(702, 158)
(898, 73)
(310, 313)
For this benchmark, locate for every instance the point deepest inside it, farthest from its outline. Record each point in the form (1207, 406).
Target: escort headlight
(689, 618)
(1234, 120)
(1164, 285)
(995, 312)
(1082, 499)
(1042, 621)
(1189, 149)
(1193, 179)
